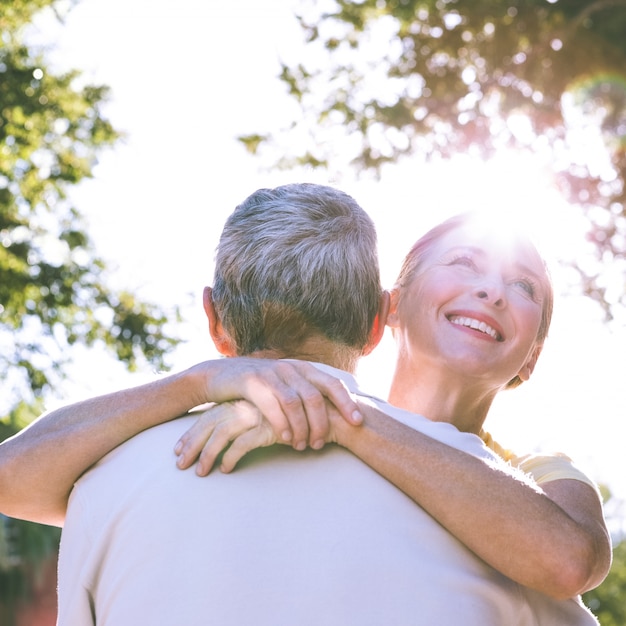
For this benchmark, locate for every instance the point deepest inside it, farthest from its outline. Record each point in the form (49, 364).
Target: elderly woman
(470, 312)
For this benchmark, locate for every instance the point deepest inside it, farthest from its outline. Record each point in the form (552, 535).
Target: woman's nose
(491, 290)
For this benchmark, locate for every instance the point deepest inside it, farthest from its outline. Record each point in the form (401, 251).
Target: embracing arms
(552, 539)
(39, 465)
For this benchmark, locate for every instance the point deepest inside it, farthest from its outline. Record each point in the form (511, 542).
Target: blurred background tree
(389, 80)
(53, 287)
(607, 601)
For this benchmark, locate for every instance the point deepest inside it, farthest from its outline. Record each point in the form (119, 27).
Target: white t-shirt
(306, 538)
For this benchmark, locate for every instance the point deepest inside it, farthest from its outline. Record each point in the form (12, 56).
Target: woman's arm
(553, 539)
(39, 465)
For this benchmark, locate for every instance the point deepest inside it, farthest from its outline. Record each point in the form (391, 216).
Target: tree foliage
(390, 79)
(607, 601)
(24, 546)
(53, 287)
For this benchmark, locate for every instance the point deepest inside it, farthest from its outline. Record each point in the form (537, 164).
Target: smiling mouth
(469, 322)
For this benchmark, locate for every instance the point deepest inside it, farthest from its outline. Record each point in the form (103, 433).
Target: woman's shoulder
(541, 466)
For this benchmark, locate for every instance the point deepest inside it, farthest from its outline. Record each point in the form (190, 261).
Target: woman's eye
(526, 285)
(465, 261)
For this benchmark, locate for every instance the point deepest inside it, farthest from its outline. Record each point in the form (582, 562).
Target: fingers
(290, 394)
(258, 437)
(280, 402)
(254, 379)
(212, 433)
(295, 393)
(298, 393)
(191, 443)
(337, 393)
(238, 419)
(217, 442)
(314, 388)
(295, 398)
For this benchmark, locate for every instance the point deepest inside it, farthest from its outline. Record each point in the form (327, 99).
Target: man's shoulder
(144, 449)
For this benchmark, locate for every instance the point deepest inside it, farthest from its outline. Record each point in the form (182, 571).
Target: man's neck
(318, 349)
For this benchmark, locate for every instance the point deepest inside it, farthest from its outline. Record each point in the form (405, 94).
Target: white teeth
(476, 325)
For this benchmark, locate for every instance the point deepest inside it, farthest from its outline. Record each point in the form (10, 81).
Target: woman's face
(473, 306)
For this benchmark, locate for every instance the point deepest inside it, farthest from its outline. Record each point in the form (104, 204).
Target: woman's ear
(378, 327)
(394, 301)
(222, 340)
(529, 366)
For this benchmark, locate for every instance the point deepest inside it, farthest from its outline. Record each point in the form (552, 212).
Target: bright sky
(186, 78)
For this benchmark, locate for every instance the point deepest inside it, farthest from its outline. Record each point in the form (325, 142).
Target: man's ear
(378, 327)
(529, 366)
(221, 338)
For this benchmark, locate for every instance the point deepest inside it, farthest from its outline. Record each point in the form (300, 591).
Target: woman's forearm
(40, 464)
(555, 543)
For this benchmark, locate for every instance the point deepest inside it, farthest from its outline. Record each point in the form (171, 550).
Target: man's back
(290, 537)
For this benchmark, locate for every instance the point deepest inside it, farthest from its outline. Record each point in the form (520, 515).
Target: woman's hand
(291, 395)
(236, 427)
(239, 423)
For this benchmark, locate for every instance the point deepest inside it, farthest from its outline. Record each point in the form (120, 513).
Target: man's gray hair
(294, 262)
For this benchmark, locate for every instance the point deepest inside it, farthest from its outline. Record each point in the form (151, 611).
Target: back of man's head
(293, 263)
